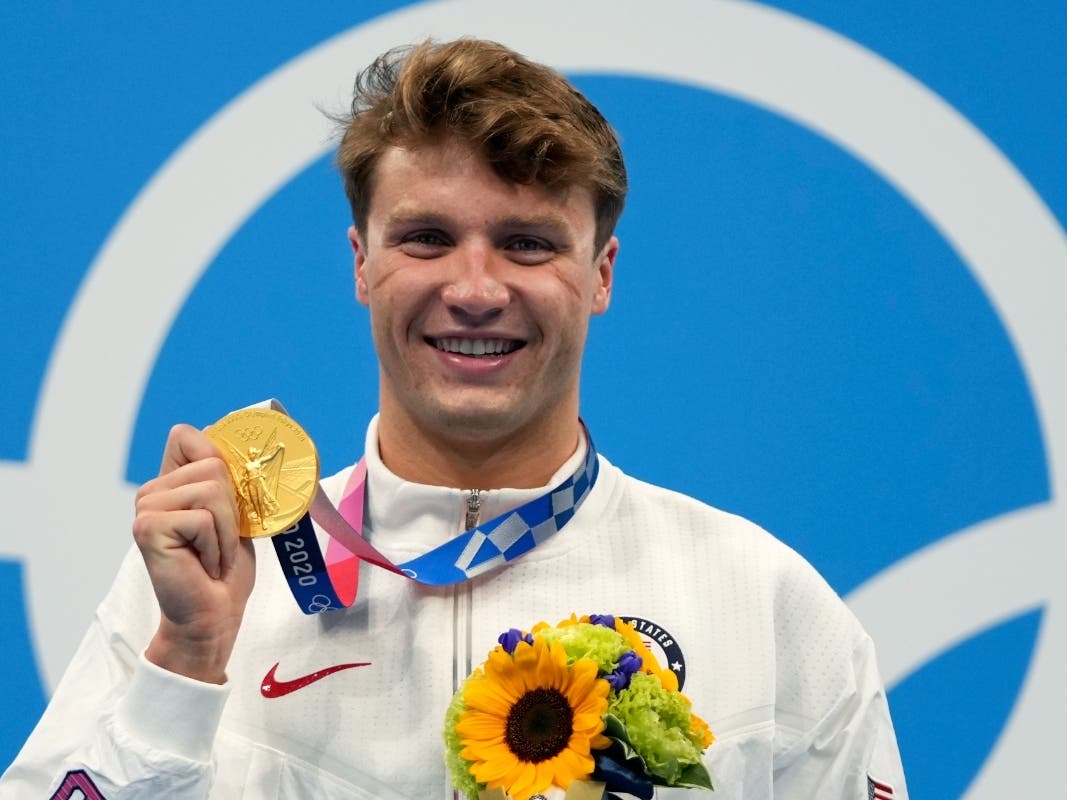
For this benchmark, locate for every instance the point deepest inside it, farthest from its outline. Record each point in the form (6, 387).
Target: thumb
(186, 444)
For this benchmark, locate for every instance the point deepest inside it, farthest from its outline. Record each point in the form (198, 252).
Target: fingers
(207, 470)
(190, 505)
(185, 445)
(187, 513)
(193, 528)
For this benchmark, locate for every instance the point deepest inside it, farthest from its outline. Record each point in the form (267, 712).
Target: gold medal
(273, 465)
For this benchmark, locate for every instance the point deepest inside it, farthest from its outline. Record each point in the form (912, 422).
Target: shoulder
(706, 528)
(731, 550)
(782, 627)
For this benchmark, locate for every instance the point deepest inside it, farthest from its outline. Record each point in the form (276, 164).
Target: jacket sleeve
(118, 726)
(849, 752)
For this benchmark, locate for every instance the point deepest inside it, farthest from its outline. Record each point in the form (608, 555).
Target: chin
(474, 421)
(477, 423)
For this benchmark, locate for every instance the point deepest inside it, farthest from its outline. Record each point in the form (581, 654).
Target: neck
(520, 459)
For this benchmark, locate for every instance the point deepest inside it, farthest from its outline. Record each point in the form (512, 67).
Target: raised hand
(202, 571)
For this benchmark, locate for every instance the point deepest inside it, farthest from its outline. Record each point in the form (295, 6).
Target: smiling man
(480, 292)
(485, 192)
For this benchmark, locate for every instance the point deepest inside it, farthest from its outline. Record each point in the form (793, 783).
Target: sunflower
(531, 721)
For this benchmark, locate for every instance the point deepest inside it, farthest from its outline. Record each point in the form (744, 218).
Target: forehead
(450, 177)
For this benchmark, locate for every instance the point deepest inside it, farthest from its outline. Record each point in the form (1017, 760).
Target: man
(485, 192)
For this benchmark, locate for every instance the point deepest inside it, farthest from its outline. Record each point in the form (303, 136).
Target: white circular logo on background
(227, 170)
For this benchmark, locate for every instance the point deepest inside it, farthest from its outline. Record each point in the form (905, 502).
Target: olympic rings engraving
(319, 603)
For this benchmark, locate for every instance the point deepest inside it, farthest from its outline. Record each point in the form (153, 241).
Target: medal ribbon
(321, 583)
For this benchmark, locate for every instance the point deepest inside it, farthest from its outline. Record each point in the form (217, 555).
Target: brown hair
(528, 121)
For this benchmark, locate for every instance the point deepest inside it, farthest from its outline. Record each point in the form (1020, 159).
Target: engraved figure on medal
(274, 475)
(256, 480)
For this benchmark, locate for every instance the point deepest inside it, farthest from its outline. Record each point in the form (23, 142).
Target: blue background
(789, 338)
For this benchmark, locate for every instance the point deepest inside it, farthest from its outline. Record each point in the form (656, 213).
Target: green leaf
(616, 731)
(695, 776)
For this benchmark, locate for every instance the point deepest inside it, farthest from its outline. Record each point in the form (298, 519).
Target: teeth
(476, 347)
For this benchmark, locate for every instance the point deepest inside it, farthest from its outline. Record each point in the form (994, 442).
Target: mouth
(476, 348)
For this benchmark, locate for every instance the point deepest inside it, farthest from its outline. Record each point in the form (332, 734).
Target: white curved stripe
(937, 597)
(1025, 761)
(954, 589)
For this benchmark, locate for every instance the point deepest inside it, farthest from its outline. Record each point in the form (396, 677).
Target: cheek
(568, 306)
(378, 330)
(582, 283)
(395, 298)
(565, 323)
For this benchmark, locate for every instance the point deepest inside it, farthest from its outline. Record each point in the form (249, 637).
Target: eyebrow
(555, 222)
(548, 222)
(416, 218)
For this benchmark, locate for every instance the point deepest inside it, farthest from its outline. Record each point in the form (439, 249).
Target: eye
(424, 244)
(426, 237)
(529, 250)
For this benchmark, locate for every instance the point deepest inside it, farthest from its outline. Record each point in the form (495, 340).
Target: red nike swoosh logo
(272, 687)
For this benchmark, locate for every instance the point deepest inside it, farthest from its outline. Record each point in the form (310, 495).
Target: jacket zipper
(464, 591)
(462, 615)
(474, 508)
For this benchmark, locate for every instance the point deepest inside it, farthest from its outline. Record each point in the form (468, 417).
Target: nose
(474, 290)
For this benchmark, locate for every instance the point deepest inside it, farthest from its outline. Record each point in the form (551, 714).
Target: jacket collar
(404, 518)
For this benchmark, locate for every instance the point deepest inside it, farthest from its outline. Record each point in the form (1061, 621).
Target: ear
(359, 250)
(605, 270)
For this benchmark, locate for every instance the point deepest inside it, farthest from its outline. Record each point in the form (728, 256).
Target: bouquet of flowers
(556, 708)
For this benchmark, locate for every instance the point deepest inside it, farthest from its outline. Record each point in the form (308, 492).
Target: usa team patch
(876, 790)
(77, 784)
(662, 645)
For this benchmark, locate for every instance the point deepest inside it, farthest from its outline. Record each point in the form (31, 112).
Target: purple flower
(510, 639)
(629, 663)
(607, 620)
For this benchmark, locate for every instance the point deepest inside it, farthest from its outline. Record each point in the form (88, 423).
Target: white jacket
(769, 655)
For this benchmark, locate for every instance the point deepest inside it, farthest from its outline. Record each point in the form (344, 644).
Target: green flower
(462, 778)
(659, 726)
(585, 640)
